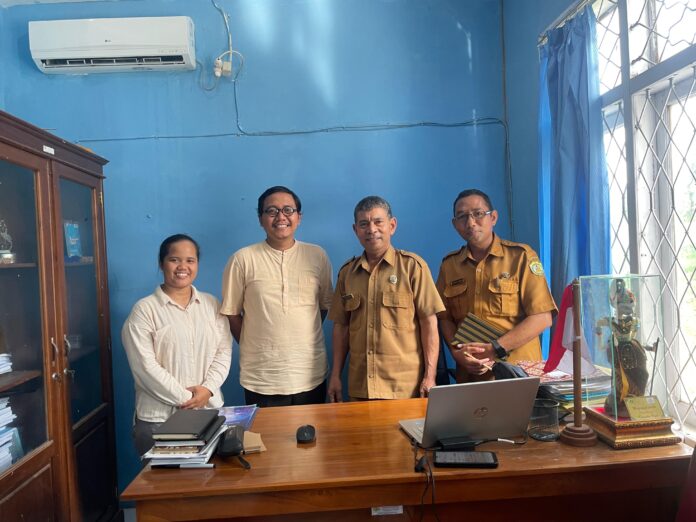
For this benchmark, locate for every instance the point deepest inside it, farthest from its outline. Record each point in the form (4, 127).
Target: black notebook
(185, 425)
(202, 441)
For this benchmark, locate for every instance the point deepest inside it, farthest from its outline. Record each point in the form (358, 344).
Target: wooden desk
(361, 459)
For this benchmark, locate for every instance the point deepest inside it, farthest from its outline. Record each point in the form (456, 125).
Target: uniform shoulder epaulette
(523, 246)
(418, 258)
(347, 263)
(453, 253)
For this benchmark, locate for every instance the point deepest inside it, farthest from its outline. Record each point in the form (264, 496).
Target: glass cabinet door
(81, 339)
(23, 421)
(85, 341)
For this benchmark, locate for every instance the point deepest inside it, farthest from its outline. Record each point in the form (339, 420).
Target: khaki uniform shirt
(382, 309)
(281, 295)
(503, 288)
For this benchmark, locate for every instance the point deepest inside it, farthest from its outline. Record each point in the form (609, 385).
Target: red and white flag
(561, 352)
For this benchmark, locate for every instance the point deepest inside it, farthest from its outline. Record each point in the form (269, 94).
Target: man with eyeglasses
(276, 294)
(383, 311)
(498, 281)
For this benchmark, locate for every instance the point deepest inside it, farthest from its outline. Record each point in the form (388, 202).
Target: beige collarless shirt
(170, 348)
(281, 295)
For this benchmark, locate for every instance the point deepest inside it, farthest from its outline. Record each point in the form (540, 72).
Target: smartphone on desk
(465, 459)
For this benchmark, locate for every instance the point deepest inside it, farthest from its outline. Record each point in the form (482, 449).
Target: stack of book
(10, 444)
(623, 433)
(5, 363)
(558, 385)
(186, 440)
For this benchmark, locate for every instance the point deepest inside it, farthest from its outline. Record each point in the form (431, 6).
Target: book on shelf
(200, 441)
(185, 425)
(624, 433)
(73, 244)
(5, 363)
(242, 415)
(10, 447)
(6, 414)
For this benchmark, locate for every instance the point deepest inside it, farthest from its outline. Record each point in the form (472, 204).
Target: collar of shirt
(389, 257)
(164, 299)
(290, 250)
(495, 250)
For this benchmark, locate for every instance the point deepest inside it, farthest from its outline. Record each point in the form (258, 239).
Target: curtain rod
(566, 15)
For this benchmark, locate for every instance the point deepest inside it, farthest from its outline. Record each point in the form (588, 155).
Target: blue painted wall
(179, 164)
(523, 22)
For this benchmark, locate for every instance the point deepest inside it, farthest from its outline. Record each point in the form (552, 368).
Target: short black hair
(167, 243)
(472, 192)
(273, 190)
(370, 202)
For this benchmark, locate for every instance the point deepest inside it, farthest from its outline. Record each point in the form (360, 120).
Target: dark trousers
(315, 396)
(142, 435)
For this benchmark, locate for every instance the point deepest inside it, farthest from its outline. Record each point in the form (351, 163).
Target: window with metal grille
(647, 52)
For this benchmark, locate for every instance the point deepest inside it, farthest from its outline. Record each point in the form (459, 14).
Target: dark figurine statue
(629, 360)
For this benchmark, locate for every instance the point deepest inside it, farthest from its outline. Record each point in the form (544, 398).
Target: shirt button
(478, 270)
(478, 291)
(371, 325)
(369, 352)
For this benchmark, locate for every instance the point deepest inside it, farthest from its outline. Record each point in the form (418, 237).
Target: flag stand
(577, 434)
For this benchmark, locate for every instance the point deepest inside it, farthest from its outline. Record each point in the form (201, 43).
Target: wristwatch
(500, 352)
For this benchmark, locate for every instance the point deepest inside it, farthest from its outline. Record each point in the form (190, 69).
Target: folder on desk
(186, 425)
(475, 330)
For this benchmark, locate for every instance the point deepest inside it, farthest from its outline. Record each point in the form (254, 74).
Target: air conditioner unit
(99, 45)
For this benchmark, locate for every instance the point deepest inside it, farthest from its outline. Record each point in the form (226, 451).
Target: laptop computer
(477, 410)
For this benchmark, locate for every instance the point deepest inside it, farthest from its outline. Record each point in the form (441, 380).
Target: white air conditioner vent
(99, 45)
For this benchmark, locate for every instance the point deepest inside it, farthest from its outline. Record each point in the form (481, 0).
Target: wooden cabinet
(57, 448)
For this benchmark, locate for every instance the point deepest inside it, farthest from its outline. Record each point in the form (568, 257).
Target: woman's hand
(201, 396)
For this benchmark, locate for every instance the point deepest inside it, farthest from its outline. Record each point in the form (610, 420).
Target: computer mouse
(231, 442)
(306, 434)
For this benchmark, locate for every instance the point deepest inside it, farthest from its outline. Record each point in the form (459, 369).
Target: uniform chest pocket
(505, 297)
(308, 289)
(456, 300)
(397, 310)
(352, 306)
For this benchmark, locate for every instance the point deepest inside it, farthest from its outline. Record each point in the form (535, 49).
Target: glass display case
(622, 321)
(56, 399)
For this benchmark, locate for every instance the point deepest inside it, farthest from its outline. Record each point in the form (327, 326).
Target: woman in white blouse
(178, 345)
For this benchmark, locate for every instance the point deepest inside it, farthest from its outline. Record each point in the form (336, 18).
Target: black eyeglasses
(478, 215)
(274, 211)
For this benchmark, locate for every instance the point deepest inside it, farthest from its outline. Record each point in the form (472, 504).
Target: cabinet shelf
(19, 381)
(79, 263)
(17, 265)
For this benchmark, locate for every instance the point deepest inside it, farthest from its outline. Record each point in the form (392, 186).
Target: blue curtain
(573, 188)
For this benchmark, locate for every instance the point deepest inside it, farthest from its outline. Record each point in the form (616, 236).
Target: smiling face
(280, 230)
(180, 265)
(374, 229)
(478, 233)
